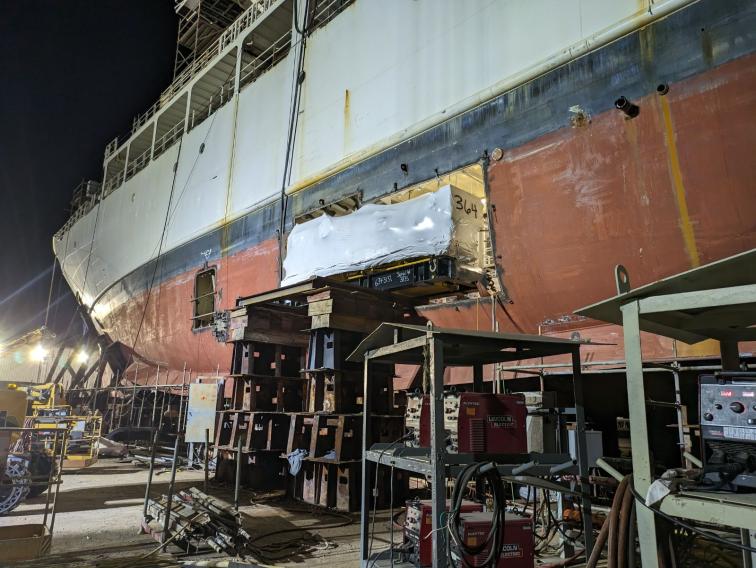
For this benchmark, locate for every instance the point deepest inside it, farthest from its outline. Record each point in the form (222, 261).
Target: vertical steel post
(186, 406)
(680, 427)
(58, 479)
(154, 397)
(141, 406)
(169, 502)
(50, 477)
(133, 401)
(237, 479)
(636, 398)
(163, 395)
(582, 450)
(207, 455)
(181, 400)
(367, 468)
(438, 447)
(478, 377)
(149, 474)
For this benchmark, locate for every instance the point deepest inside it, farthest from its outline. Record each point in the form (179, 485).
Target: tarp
(446, 222)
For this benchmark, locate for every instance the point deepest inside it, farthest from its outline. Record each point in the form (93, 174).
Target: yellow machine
(15, 472)
(48, 407)
(83, 434)
(47, 395)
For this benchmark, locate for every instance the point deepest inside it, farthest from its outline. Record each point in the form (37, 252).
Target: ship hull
(574, 187)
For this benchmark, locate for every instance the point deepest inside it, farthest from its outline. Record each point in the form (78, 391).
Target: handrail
(167, 139)
(249, 71)
(226, 38)
(138, 164)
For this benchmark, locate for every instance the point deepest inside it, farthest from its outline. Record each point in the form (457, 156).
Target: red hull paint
(167, 337)
(659, 194)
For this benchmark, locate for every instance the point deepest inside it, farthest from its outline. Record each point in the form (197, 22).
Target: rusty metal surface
(660, 193)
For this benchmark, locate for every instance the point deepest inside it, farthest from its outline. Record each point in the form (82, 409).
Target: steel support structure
(732, 511)
(436, 465)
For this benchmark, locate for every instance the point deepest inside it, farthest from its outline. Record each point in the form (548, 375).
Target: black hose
(494, 540)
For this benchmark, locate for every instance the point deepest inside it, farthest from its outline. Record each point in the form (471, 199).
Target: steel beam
(636, 399)
(731, 296)
(438, 447)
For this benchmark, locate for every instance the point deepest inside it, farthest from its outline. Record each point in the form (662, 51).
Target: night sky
(73, 73)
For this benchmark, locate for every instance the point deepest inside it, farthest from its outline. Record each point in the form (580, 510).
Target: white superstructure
(374, 73)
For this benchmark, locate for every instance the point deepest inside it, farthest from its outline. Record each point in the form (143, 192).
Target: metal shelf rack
(434, 349)
(715, 301)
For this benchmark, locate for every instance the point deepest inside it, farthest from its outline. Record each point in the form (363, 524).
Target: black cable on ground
(375, 497)
(494, 540)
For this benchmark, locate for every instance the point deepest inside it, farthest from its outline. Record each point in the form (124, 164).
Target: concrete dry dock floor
(99, 510)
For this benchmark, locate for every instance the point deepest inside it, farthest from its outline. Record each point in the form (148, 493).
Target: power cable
(375, 497)
(297, 80)
(494, 540)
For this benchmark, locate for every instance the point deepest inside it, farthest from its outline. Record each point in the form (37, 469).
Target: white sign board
(201, 412)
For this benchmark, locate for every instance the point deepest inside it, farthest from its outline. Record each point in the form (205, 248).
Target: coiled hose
(495, 538)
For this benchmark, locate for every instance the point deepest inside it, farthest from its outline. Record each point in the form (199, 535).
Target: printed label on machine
(511, 551)
(740, 433)
(505, 421)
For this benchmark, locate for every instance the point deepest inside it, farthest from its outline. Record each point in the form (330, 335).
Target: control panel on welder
(728, 429)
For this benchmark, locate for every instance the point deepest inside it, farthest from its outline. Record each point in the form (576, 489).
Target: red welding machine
(418, 525)
(480, 423)
(517, 550)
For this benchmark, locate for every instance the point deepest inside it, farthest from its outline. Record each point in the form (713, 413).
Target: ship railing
(138, 164)
(265, 59)
(168, 139)
(327, 12)
(224, 94)
(85, 196)
(226, 38)
(112, 182)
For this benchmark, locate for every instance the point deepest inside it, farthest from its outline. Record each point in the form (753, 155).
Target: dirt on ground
(99, 510)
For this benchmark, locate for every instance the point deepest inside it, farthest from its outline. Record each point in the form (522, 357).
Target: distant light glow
(101, 309)
(82, 357)
(38, 353)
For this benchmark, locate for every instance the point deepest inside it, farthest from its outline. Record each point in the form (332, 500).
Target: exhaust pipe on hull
(631, 110)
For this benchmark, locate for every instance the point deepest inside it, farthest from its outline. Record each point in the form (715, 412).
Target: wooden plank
(324, 295)
(298, 339)
(320, 307)
(346, 323)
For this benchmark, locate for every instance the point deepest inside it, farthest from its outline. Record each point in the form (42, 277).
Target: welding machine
(728, 429)
(418, 524)
(480, 423)
(517, 550)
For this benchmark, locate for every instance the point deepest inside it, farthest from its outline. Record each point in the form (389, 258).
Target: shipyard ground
(99, 510)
